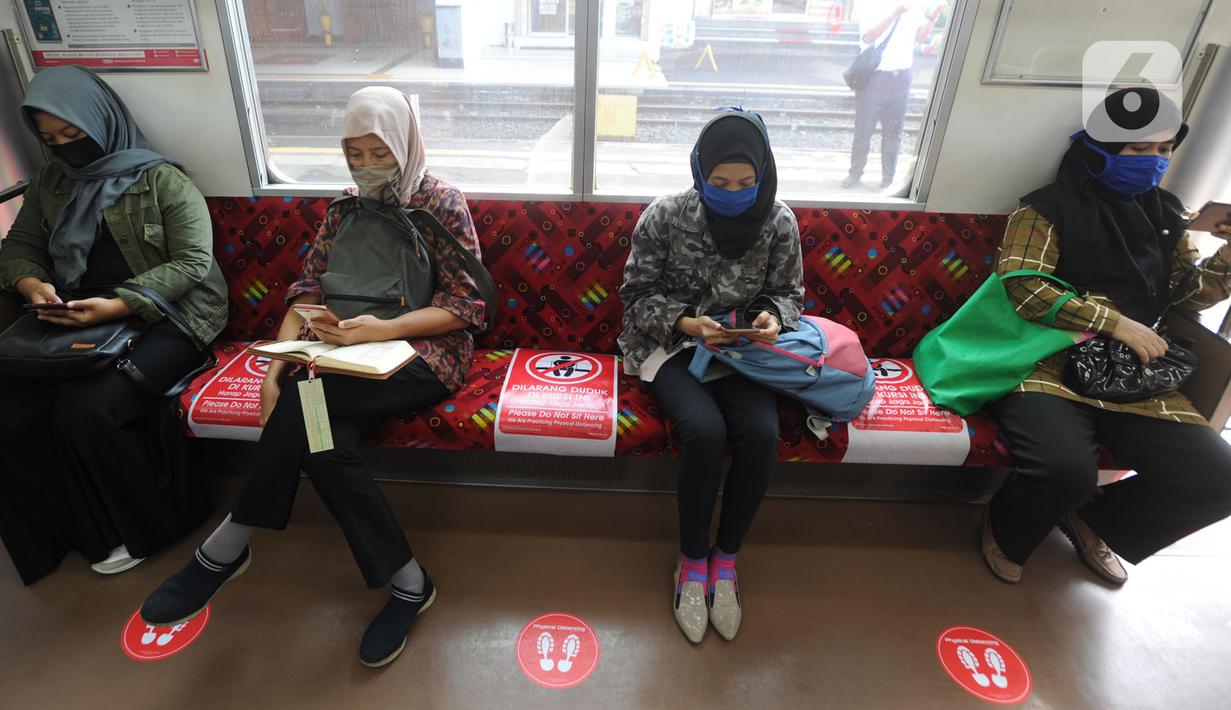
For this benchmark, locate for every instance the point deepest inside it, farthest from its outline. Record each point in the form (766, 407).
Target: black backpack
(380, 264)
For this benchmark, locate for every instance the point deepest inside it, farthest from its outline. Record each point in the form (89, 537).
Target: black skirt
(96, 463)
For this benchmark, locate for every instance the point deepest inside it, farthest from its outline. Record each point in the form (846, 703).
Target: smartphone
(1210, 216)
(314, 312)
(741, 331)
(49, 307)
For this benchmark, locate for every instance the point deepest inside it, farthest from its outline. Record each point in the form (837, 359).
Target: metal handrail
(17, 190)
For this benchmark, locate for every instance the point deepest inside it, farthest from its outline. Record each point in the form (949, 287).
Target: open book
(374, 360)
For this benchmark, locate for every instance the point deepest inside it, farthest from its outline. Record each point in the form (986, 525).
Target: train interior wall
(843, 599)
(193, 117)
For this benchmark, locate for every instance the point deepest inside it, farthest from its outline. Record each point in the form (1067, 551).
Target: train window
(783, 59)
(493, 80)
(1032, 47)
(598, 97)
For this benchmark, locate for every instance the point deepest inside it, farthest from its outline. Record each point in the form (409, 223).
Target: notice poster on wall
(901, 425)
(113, 35)
(559, 403)
(229, 405)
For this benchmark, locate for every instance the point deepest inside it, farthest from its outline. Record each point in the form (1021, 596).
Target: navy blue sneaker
(386, 635)
(185, 593)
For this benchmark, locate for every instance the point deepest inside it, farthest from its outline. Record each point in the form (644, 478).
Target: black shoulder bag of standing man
(860, 70)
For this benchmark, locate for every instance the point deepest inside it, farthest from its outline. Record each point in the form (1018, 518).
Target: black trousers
(356, 406)
(709, 416)
(1183, 480)
(882, 100)
(93, 463)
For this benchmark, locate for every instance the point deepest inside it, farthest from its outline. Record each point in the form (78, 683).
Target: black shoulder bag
(860, 70)
(38, 350)
(1108, 370)
(474, 266)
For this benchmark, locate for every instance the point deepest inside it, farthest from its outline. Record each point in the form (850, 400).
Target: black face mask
(78, 153)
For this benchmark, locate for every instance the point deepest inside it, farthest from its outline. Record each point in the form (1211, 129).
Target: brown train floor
(843, 603)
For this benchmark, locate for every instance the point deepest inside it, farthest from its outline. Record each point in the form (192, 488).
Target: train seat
(890, 275)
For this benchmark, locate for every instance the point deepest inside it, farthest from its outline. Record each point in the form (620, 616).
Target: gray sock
(410, 578)
(227, 543)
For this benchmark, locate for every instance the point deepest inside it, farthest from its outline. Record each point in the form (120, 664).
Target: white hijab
(387, 114)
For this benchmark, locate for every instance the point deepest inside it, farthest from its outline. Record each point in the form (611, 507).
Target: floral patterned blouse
(447, 355)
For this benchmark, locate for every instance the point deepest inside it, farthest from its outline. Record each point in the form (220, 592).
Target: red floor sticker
(557, 651)
(983, 665)
(143, 642)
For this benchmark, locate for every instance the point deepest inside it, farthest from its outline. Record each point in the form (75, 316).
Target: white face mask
(375, 182)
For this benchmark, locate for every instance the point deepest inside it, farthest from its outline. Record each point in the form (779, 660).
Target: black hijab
(1110, 242)
(736, 136)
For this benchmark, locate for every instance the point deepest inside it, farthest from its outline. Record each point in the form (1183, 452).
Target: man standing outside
(898, 26)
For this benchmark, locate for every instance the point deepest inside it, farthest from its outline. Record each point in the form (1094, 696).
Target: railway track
(670, 115)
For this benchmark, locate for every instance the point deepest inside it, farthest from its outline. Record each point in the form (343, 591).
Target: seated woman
(1106, 227)
(384, 151)
(723, 244)
(76, 473)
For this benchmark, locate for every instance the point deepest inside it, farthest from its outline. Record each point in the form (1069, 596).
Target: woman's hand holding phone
(89, 311)
(43, 299)
(766, 328)
(707, 329)
(1215, 218)
(37, 292)
(315, 312)
(360, 329)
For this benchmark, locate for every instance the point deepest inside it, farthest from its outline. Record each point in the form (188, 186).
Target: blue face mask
(1130, 174)
(729, 203)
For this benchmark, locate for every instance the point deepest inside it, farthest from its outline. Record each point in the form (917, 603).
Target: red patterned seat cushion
(466, 420)
(889, 275)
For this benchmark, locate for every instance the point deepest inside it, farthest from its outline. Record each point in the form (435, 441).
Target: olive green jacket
(162, 228)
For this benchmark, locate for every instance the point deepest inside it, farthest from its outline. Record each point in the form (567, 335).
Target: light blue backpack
(821, 364)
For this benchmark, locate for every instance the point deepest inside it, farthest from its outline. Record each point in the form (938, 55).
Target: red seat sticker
(143, 642)
(558, 651)
(983, 665)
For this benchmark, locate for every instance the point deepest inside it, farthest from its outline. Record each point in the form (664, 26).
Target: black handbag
(1108, 370)
(38, 350)
(860, 70)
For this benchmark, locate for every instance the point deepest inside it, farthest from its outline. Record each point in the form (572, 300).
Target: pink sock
(691, 571)
(722, 566)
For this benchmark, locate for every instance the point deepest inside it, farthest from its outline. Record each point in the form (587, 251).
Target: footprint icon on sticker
(996, 661)
(546, 644)
(571, 647)
(971, 663)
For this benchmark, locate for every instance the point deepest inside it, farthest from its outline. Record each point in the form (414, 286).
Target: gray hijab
(82, 99)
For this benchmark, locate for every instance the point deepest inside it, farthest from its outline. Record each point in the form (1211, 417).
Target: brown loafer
(1006, 570)
(1092, 551)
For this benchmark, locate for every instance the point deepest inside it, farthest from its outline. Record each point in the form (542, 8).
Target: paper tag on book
(315, 415)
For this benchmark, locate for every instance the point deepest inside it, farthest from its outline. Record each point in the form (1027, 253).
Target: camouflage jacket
(674, 270)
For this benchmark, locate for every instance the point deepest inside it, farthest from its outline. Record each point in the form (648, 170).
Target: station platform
(620, 66)
(843, 604)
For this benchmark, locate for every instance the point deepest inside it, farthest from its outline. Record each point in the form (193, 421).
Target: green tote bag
(986, 349)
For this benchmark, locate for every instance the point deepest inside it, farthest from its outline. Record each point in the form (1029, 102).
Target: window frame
(1187, 53)
(265, 180)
